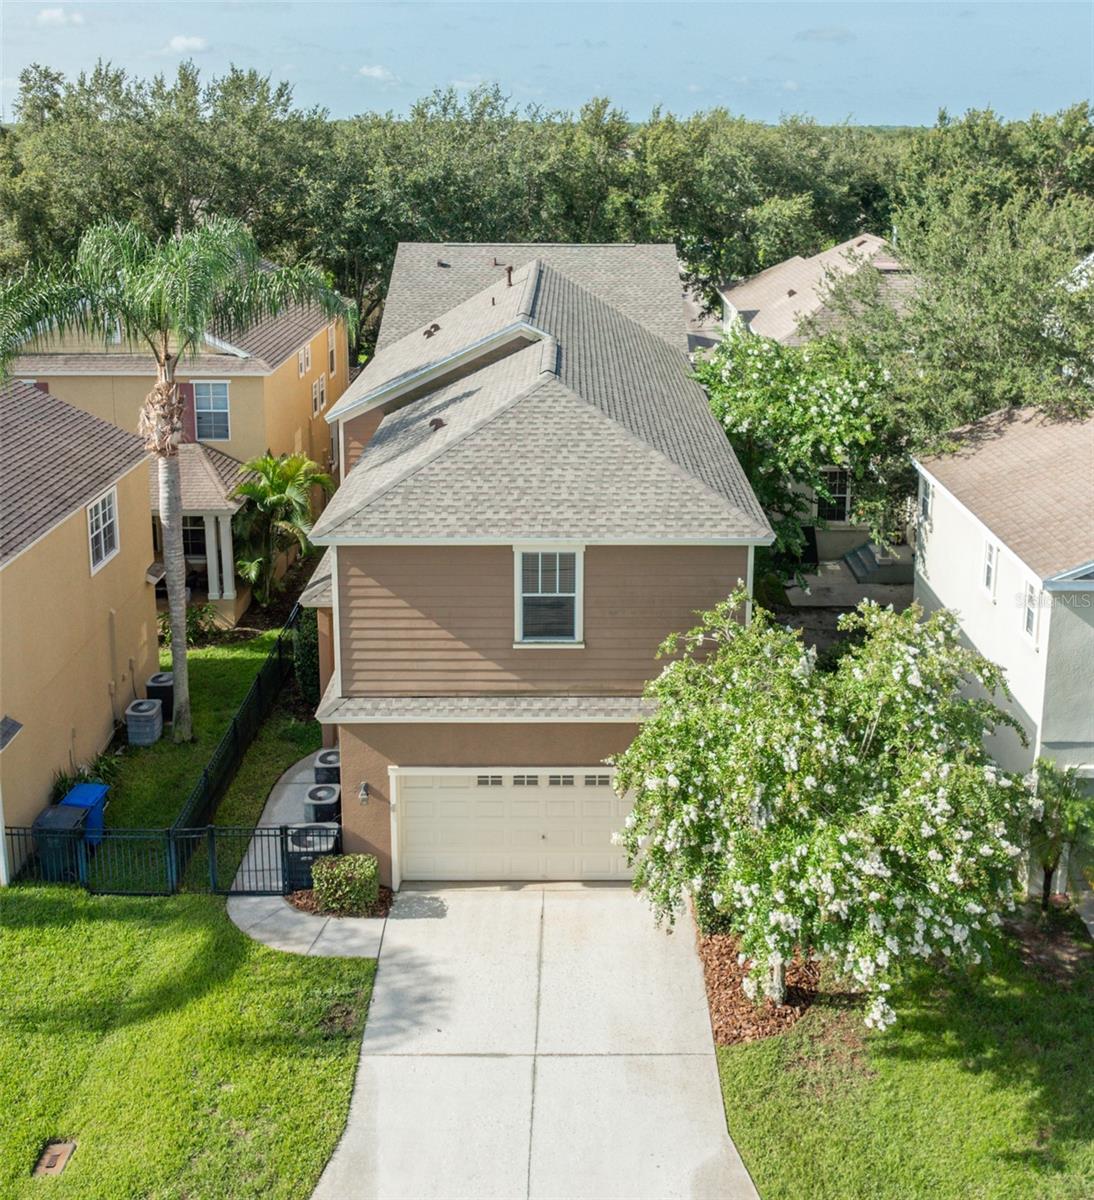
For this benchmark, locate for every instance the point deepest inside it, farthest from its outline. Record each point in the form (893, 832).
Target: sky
(877, 63)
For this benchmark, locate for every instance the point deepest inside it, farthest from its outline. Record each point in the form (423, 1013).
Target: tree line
(734, 195)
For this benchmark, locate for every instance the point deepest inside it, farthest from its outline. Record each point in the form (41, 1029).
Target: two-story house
(1006, 540)
(267, 389)
(78, 637)
(534, 495)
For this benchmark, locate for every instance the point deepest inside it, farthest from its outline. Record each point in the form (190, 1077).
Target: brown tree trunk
(161, 427)
(1046, 884)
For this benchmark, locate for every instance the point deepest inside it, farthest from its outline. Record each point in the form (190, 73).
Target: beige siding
(368, 750)
(439, 620)
(75, 647)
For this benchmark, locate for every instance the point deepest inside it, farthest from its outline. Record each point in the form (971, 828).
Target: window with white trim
(300, 368)
(549, 599)
(1029, 611)
(193, 537)
(924, 499)
(315, 398)
(322, 392)
(102, 529)
(838, 482)
(332, 352)
(211, 418)
(598, 781)
(991, 567)
(307, 357)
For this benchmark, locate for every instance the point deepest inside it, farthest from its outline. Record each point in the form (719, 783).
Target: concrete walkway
(534, 1041)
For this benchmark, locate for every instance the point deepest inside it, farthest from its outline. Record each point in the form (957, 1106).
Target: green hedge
(346, 883)
(306, 655)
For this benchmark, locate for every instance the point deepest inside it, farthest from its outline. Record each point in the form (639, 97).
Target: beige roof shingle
(1030, 480)
(54, 460)
(207, 478)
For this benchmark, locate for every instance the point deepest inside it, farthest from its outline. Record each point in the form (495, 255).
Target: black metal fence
(192, 854)
(220, 859)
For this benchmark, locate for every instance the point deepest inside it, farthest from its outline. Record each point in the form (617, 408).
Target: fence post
(283, 839)
(211, 850)
(171, 854)
(81, 860)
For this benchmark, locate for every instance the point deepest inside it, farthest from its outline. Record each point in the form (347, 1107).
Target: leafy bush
(101, 769)
(347, 883)
(201, 620)
(306, 655)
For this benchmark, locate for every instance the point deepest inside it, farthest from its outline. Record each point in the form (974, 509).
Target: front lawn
(185, 1059)
(981, 1091)
(153, 782)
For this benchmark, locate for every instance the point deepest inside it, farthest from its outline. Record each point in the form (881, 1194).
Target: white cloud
(695, 88)
(183, 43)
(378, 74)
(54, 17)
(470, 81)
(790, 85)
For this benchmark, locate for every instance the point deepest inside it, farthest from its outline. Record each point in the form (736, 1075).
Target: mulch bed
(305, 901)
(733, 1016)
(1047, 945)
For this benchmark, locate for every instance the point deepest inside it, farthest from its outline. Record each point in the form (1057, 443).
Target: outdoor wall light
(362, 792)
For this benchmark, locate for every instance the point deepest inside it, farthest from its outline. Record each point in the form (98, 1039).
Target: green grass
(282, 741)
(153, 782)
(982, 1090)
(185, 1059)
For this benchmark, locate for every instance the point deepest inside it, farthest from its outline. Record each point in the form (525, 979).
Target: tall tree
(164, 296)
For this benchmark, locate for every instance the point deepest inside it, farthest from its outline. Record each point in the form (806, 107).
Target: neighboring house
(1006, 539)
(266, 389)
(789, 303)
(534, 495)
(78, 636)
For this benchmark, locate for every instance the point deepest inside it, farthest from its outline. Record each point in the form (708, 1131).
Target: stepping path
(275, 923)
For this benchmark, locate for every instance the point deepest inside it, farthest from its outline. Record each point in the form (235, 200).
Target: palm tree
(277, 513)
(167, 295)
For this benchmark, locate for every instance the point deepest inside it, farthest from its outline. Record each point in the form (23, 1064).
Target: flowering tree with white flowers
(850, 815)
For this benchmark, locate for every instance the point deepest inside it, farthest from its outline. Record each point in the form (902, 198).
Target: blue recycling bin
(92, 798)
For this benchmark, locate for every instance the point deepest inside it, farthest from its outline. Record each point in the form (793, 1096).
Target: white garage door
(496, 824)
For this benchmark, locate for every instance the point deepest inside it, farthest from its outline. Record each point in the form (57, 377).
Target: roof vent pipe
(436, 423)
(509, 276)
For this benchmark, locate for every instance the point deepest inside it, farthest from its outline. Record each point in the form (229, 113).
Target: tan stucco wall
(324, 622)
(118, 399)
(368, 750)
(75, 648)
(438, 620)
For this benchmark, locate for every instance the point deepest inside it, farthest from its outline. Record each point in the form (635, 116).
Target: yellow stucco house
(268, 389)
(78, 635)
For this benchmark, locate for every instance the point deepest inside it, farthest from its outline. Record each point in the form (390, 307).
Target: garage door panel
(500, 825)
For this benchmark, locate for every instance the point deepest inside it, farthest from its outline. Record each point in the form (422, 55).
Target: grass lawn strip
(184, 1058)
(981, 1091)
(154, 781)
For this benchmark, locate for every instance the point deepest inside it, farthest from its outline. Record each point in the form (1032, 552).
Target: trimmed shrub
(346, 883)
(306, 655)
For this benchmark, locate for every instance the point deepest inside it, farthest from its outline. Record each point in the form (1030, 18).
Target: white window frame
(924, 498)
(315, 398)
(227, 408)
(577, 642)
(989, 567)
(1031, 603)
(300, 369)
(307, 357)
(111, 495)
(819, 500)
(332, 349)
(322, 390)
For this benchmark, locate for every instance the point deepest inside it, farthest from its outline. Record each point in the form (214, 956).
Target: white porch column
(227, 555)
(212, 564)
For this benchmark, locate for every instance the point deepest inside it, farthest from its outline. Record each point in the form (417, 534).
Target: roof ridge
(529, 288)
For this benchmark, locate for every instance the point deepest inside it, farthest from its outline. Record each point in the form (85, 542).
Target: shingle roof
(641, 280)
(207, 478)
(1030, 480)
(54, 459)
(273, 340)
(63, 363)
(334, 708)
(597, 431)
(318, 594)
(775, 302)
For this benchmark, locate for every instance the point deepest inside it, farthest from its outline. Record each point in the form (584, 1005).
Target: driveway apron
(535, 1041)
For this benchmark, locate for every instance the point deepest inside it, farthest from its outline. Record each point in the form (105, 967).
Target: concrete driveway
(535, 1041)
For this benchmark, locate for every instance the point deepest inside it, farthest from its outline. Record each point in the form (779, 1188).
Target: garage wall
(438, 620)
(368, 750)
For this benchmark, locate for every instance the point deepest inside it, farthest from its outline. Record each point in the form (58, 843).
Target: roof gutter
(405, 382)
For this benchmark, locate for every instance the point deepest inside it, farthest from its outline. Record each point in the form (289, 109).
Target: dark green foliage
(348, 884)
(201, 621)
(306, 656)
(103, 768)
